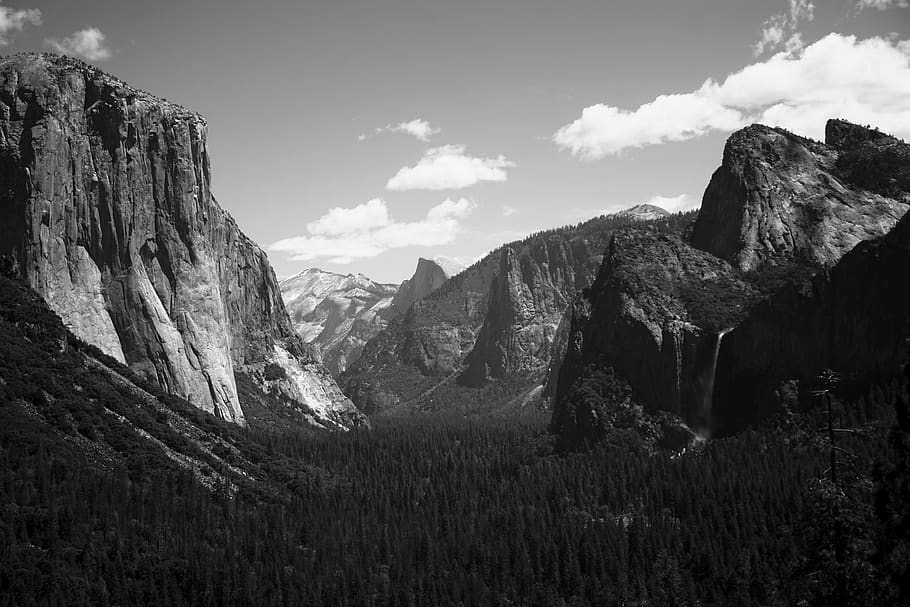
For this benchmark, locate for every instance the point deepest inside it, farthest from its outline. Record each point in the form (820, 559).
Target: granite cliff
(487, 335)
(336, 313)
(106, 211)
(770, 286)
(429, 275)
(779, 199)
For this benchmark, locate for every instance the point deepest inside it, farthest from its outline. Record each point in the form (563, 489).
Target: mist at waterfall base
(702, 421)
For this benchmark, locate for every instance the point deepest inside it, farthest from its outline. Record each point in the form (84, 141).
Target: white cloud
(865, 81)
(508, 210)
(87, 43)
(882, 4)
(366, 230)
(361, 218)
(449, 168)
(419, 128)
(783, 28)
(15, 20)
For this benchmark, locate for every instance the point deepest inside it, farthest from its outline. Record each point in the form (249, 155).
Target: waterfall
(708, 394)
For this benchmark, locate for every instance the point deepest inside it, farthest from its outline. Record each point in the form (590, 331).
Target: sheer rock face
(653, 314)
(428, 277)
(106, 209)
(497, 318)
(779, 199)
(335, 313)
(771, 287)
(853, 319)
(528, 297)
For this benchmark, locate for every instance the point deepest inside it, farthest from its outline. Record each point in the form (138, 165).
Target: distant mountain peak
(337, 313)
(428, 276)
(644, 212)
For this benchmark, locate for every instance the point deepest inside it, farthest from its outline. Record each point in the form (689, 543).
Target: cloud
(366, 230)
(783, 28)
(419, 128)
(508, 210)
(87, 43)
(882, 4)
(865, 81)
(448, 168)
(15, 20)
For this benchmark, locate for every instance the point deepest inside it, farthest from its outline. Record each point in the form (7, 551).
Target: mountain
(336, 313)
(770, 287)
(644, 212)
(779, 199)
(106, 211)
(428, 276)
(84, 407)
(486, 336)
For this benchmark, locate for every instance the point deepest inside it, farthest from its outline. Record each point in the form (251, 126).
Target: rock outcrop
(654, 317)
(429, 275)
(336, 313)
(854, 320)
(497, 320)
(532, 288)
(106, 210)
(762, 292)
(779, 199)
(644, 212)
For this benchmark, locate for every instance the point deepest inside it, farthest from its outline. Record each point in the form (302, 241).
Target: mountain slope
(496, 320)
(335, 313)
(106, 211)
(707, 330)
(77, 399)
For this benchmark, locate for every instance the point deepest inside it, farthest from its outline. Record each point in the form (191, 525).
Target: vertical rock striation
(792, 266)
(779, 199)
(496, 320)
(528, 297)
(106, 209)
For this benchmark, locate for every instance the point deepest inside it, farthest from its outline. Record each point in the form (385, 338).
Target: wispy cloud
(882, 4)
(782, 29)
(419, 128)
(449, 168)
(367, 230)
(14, 20)
(866, 81)
(87, 43)
(508, 210)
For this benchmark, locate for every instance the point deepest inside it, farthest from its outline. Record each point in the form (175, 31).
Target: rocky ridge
(106, 211)
(644, 212)
(336, 313)
(708, 328)
(495, 322)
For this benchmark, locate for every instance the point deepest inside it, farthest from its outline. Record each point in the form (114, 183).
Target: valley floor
(449, 512)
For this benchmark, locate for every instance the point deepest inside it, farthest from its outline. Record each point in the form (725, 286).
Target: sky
(359, 135)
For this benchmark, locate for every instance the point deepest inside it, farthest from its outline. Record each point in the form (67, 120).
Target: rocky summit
(336, 313)
(791, 267)
(780, 199)
(106, 211)
(644, 212)
(429, 275)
